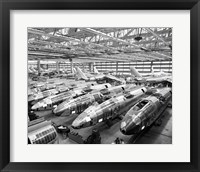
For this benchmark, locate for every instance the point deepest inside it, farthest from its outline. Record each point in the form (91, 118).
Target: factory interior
(99, 85)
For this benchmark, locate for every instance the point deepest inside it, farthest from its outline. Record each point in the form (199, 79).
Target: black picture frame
(7, 5)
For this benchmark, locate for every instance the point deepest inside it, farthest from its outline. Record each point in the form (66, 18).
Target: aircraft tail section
(152, 69)
(81, 74)
(73, 70)
(135, 73)
(95, 70)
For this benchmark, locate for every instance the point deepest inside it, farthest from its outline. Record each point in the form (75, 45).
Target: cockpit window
(128, 95)
(140, 105)
(104, 89)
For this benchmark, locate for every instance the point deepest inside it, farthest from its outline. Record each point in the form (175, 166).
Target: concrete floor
(155, 135)
(159, 134)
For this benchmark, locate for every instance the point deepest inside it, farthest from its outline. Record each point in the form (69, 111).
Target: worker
(94, 138)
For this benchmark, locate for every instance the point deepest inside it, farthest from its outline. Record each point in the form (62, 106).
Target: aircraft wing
(159, 80)
(89, 75)
(114, 78)
(100, 76)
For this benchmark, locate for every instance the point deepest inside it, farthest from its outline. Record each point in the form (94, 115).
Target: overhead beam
(63, 51)
(82, 34)
(119, 57)
(155, 55)
(168, 39)
(42, 55)
(52, 50)
(124, 57)
(58, 45)
(163, 55)
(98, 59)
(110, 37)
(45, 54)
(119, 40)
(150, 57)
(64, 38)
(157, 36)
(103, 41)
(131, 30)
(57, 54)
(65, 47)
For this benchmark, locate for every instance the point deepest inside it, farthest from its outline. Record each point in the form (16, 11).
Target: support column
(117, 68)
(71, 65)
(57, 66)
(94, 65)
(151, 67)
(91, 69)
(38, 66)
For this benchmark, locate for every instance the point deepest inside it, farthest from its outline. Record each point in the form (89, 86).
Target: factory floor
(157, 134)
(161, 134)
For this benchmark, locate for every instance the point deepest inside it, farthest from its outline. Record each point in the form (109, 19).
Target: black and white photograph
(99, 85)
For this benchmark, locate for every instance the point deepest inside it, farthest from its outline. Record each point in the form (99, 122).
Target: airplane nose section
(128, 128)
(55, 110)
(58, 109)
(76, 124)
(35, 106)
(30, 98)
(66, 112)
(61, 107)
(80, 121)
(123, 130)
(123, 127)
(63, 111)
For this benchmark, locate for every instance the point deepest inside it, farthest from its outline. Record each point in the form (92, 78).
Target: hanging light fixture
(138, 37)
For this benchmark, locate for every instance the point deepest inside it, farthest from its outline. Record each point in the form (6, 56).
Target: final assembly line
(115, 90)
